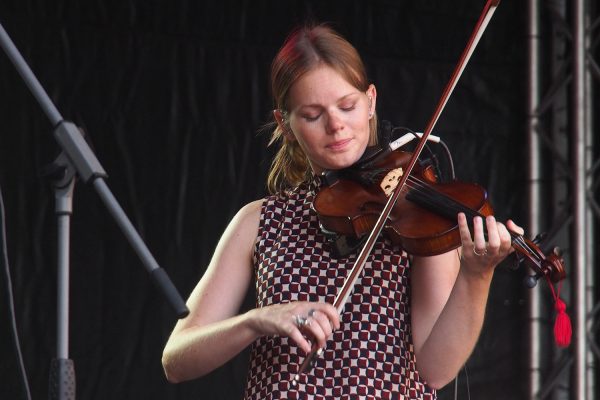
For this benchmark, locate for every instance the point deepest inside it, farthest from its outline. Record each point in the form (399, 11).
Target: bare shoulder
(242, 231)
(247, 218)
(251, 211)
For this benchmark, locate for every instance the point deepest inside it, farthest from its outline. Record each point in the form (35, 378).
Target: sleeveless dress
(371, 355)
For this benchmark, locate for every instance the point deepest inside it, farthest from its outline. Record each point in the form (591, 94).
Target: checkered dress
(371, 356)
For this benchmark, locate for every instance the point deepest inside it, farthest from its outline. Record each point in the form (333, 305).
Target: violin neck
(426, 196)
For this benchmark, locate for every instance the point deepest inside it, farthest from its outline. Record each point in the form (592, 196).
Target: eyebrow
(319, 105)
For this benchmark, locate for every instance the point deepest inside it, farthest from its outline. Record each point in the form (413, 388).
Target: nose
(334, 122)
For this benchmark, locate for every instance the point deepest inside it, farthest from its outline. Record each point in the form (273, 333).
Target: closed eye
(311, 118)
(347, 105)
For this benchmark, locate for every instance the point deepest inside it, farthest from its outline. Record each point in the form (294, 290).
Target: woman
(410, 323)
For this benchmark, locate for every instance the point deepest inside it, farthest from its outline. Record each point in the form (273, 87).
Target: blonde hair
(304, 50)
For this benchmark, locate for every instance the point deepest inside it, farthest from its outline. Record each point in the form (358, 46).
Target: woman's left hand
(479, 255)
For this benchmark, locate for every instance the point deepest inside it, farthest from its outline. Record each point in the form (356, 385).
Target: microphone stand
(77, 156)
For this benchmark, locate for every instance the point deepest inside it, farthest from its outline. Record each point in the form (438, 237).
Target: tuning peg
(539, 237)
(531, 280)
(557, 251)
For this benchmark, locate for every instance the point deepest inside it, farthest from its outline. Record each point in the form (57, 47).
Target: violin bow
(344, 293)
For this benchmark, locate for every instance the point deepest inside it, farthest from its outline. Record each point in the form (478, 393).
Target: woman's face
(329, 118)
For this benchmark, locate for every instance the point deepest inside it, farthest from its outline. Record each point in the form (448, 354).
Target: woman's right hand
(302, 321)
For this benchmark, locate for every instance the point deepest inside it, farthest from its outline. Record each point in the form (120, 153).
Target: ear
(283, 125)
(372, 95)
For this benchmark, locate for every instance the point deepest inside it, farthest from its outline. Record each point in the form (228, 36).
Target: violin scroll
(551, 265)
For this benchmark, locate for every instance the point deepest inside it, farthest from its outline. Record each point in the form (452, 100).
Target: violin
(423, 219)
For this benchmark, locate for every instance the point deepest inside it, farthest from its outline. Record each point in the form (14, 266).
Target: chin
(341, 164)
(339, 160)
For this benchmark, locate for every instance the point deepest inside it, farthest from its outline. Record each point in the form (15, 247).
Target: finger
(493, 245)
(330, 313)
(296, 335)
(514, 227)
(465, 233)
(478, 236)
(319, 318)
(314, 330)
(505, 239)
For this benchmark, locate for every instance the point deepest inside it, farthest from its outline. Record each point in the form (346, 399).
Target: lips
(339, 145)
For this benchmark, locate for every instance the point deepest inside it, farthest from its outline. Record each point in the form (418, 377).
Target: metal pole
(579, 202)
(534, 189)
(64, 209)
(590, 247)
(62, 382)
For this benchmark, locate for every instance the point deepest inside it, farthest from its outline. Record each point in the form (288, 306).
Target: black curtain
(172, 95)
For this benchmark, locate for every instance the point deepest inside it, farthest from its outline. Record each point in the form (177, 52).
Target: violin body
(417, 222)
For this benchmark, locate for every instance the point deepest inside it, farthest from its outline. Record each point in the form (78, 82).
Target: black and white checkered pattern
(371, 356)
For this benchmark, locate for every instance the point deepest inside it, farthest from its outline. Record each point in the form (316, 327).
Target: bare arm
(213, 333)
(449, 296)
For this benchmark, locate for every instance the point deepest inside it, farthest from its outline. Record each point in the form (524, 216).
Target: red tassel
(562, 324)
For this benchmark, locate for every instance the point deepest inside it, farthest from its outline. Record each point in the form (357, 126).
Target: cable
(431, 153)
(11, 303)
(467, 384)
(449, 158)
(456, 387)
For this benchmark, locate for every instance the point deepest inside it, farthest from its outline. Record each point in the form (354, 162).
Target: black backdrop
(172, 95)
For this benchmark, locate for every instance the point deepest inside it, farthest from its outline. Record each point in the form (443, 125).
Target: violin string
(433, 199)
(437, 200)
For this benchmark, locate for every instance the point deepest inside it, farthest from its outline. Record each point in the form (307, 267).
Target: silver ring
(311, 312)
(483, 253)
(300, 321)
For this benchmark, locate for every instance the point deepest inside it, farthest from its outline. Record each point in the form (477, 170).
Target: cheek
(362, 125)
(360, 118)
(306, 132)
(304, 136)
